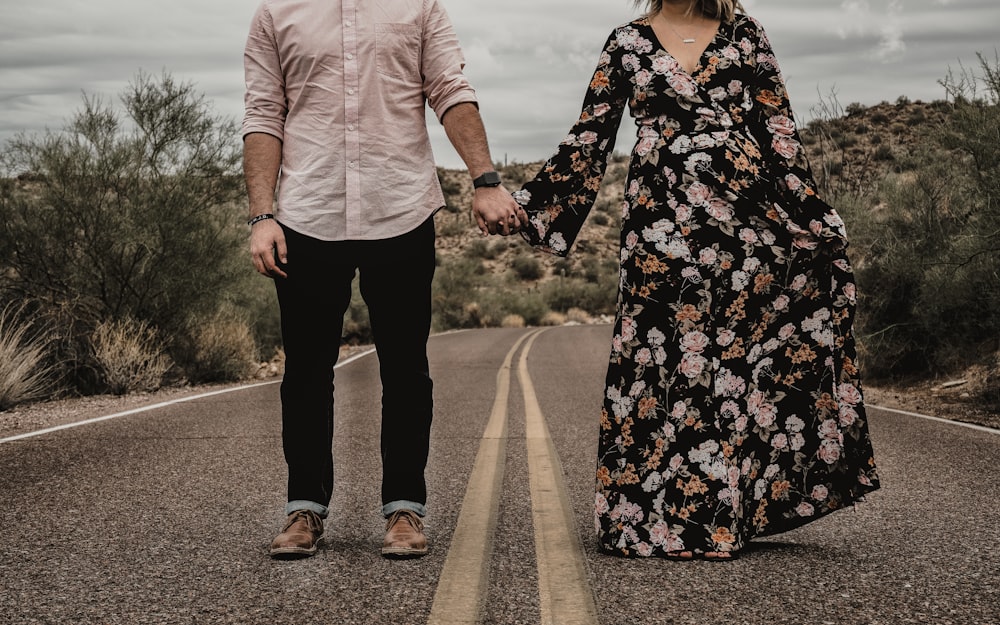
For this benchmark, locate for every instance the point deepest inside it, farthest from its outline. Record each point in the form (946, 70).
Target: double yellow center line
(565, 597)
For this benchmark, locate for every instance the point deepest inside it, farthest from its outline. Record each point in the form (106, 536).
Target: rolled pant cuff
(402, 504)
(302, 504)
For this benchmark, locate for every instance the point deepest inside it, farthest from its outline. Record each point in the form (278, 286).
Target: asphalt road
(165, 516)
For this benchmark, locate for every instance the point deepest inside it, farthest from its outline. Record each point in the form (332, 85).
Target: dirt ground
(960, 399)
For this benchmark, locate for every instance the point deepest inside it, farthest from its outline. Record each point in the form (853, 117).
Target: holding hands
(496, 211)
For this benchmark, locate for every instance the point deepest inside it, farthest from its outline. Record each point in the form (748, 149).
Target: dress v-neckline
(701, 56)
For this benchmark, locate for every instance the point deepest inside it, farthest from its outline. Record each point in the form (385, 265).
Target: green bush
(455, 290)
(527, 267)
(484, 248)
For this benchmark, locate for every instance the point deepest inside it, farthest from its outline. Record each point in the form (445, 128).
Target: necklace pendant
(689, 41)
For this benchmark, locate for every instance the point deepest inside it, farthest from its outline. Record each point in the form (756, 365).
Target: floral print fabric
(733, 405)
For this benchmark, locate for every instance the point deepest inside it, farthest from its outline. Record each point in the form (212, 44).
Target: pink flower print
(829, 451)
(694, 341)
(725, 338)
(805, 509)
(850, 292)
(787, 147)
(781, 125)
(600, 504)
(682, 83)
(698, 194)
(676, 462)
(720, 209)
(683, 212)
(679, 410)
(793, 182)
(692, 365)
(628, 329)
(820, 492)
(847, 415)
(644, 356)
(631, 240)
(848, 393)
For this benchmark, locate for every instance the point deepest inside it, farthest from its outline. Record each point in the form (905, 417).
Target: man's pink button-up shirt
(343, 84)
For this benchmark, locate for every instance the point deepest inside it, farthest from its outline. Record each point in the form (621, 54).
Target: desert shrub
(529, 305)
(357, 325)
(600, 219)
(577, 315)
(455, 287)
(884, 152)
(565, 294)
(930, 250)
(24, 371)
(553, 318)
(483, 248)
(130, 212)
(527, 267)
(563, 266)
(129, 356)
(450, 224)
(223, 347)
(512, 321)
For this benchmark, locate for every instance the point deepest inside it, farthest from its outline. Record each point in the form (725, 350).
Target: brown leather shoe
(404, 536)
(299, 537)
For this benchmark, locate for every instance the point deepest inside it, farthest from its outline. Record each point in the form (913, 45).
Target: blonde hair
(724, 10)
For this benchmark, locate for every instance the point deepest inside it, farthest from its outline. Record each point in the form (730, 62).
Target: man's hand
(267, 248)
(496, 211)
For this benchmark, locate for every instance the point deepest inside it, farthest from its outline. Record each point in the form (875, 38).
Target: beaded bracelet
(261, 217)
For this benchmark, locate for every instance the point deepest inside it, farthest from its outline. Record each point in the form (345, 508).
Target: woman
(733, 405)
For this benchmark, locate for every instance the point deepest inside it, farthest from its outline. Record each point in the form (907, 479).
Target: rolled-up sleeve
(265, 103)
(445, 85)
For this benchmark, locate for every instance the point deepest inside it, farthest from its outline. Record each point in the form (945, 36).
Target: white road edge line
(172, 402)
(971, 426)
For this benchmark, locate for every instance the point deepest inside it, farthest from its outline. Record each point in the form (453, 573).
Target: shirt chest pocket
(397, 51)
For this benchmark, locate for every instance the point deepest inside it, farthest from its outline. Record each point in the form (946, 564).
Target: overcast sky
(529, 60)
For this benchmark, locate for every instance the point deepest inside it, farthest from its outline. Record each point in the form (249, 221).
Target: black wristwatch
(489, 179)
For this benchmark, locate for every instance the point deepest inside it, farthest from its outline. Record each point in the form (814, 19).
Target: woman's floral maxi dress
(733, 405)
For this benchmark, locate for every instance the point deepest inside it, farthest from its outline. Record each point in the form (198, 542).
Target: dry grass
(130, 356)
(24, 374)
(224, 347)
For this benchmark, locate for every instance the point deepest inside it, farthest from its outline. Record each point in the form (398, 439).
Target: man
(335, 102)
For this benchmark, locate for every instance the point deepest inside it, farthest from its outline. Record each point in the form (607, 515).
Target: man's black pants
(395, 280)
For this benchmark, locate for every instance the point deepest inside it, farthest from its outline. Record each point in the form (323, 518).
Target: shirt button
(349, 56)
(350, 92)
(351, 164)
(348, 23)
(350, 127)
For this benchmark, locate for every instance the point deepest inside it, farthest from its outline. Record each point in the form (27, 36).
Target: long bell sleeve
(559, 198)
(813, 223)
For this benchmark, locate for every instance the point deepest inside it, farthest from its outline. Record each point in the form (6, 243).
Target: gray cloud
(530, 60)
